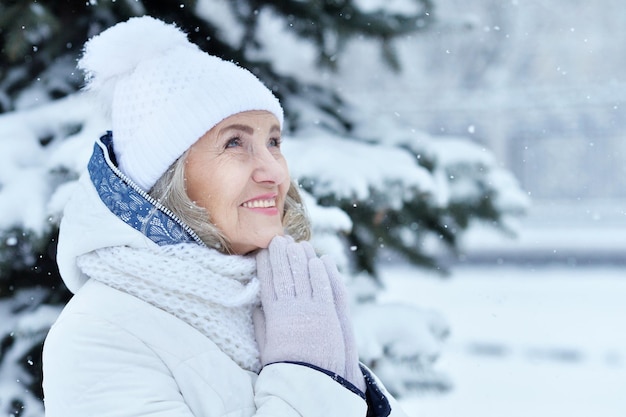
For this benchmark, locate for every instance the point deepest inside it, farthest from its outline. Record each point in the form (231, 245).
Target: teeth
(260, 203)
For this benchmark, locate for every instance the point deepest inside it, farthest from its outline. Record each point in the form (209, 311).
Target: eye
(275, 142)
(233, 143)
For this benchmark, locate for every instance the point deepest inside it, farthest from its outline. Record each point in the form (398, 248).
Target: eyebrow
(249, 129)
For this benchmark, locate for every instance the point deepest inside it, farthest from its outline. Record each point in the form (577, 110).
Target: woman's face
(236, 171)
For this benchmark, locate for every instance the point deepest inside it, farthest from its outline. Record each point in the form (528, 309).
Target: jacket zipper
(148, 197)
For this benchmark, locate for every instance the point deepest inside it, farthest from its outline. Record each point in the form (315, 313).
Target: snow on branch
(354, 170)
(42, 148)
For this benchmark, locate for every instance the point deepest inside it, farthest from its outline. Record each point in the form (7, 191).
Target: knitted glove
(298, 321)
(352, 367)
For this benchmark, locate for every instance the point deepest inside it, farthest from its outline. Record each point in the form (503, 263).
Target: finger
(258, 319)
(260, 332)
(320, 284)
(340, 294)
(308, 249)
(281, 270)
(340, 297)
(264, 274)
(298, 262)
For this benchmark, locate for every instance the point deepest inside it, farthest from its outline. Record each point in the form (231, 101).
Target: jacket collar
(130, 203)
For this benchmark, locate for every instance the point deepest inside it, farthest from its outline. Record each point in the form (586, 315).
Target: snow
(587, 231)
(389, 6)
(539, 341)
(536, 322)
(455, 151)
(25, 331)
(221, 14)
(525, 341)
(27, 166)
(356, 170)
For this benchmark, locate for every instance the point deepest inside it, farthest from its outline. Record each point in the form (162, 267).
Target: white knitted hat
(164, 93)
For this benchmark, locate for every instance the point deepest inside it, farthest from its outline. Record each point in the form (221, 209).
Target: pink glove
(298, 322)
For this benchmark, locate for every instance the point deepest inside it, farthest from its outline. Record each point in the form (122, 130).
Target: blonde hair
(170, 191)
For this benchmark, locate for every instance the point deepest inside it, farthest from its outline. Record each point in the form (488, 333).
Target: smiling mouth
(260, 203)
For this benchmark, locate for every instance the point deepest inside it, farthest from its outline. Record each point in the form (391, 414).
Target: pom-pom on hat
(163, 93)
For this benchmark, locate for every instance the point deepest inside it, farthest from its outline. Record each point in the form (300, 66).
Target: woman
(196, 292)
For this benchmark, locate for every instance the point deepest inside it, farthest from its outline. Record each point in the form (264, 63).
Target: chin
(245, 248)
(265, 242)
(244, 243)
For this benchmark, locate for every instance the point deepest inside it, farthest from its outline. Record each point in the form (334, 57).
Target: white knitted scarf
(212, 292)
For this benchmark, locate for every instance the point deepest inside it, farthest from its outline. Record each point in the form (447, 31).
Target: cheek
(199, 186)
(284, 188)
(215, 194)
(205, 182)
(221, 195)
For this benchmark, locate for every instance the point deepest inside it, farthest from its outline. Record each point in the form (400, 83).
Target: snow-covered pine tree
(396, 191)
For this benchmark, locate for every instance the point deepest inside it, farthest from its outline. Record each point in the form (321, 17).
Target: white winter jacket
(112, 354)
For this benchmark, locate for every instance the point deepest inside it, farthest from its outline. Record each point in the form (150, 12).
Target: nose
(268, 168)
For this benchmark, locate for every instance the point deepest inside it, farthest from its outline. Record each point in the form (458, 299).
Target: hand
(299, 321)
